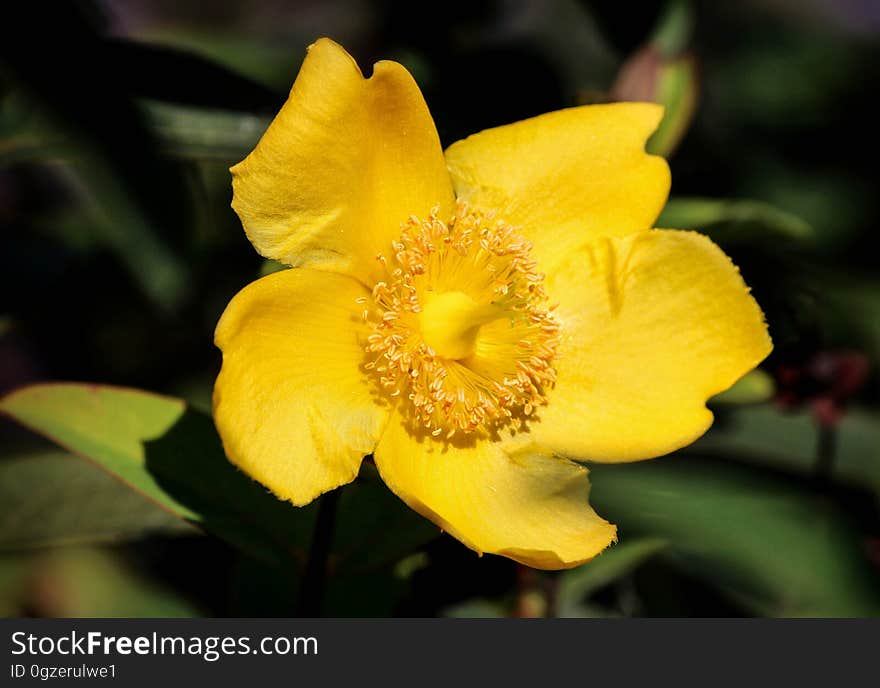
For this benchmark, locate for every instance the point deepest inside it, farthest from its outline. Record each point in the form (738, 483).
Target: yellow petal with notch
(653, 325)
(566, 177)
(342, 165)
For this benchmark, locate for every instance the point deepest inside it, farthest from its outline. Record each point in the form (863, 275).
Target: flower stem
(530, 602)
(314, 582)
(825, 453)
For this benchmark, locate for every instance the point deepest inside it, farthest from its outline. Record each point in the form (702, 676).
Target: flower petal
(653, 324)
(566, 176)
(530, 507)
(344, 162)
(291, 404)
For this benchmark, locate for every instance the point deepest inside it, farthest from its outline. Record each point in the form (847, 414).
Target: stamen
(482, 353)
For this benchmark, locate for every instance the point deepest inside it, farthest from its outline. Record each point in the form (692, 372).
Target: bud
(663, 72)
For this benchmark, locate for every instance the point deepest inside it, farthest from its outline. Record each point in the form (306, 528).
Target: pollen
(459, 330)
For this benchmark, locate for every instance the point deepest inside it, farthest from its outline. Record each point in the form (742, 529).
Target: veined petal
(530, 507)
(291, 403)
(567, 176)
(653, 325)
(343, 164)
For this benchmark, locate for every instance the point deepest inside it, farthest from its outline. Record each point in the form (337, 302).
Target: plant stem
(551, 594)
(314, 583)
(529, 602)
(825, 453)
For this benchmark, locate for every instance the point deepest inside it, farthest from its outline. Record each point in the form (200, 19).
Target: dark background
(118, 122)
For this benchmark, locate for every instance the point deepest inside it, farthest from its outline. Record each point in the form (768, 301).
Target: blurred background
(118, 123)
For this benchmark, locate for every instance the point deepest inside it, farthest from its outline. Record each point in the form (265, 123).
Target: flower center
(460, 328)
(450, 322)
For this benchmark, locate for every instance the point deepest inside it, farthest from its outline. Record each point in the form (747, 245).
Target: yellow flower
(478, 319)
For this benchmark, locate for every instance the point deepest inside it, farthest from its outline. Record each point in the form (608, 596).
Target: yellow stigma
(450, 322)
(460, 328)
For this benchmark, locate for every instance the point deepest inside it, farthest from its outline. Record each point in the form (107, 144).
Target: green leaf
(12, 585)
(173, 456)
(674, 29)
(776, 549)
(676, 90)
(100, 586)
(476, 609)
(191, 132)
(51, 498)
(733, 220)
(122, 225)
(110, 426)
(767, 436)
(576, 585)
(269, 266)
(754, 387)
(170, 454)
(109, 208)
(85, 583)
(264, 62)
